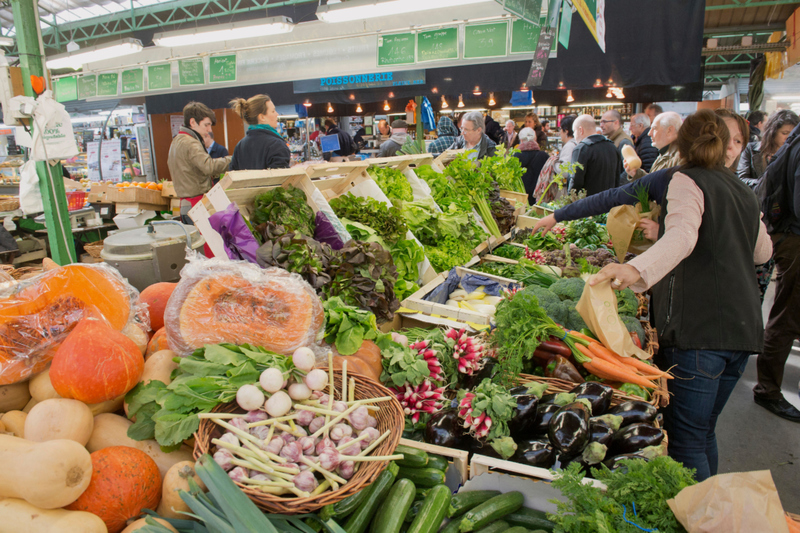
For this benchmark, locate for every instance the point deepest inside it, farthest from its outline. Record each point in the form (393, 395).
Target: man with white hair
(663, 133)
(510, 137)
(640, 128)
(599, 158)
(473, 136)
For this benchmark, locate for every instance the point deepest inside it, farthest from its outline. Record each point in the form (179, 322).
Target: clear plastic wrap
(222, 301)
(37, 314)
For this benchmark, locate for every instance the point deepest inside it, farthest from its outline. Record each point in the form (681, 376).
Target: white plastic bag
(30, 195)
(53, 137)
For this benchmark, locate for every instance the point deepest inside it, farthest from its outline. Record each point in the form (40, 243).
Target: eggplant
(444, 429)
(615, 462)
(569, 428)
(524, 414)
(541, 423)
(535, 452)
(565, 460)
(598, 394)
(599, 432)
(634, 411)
(635, 437)
(519, 391)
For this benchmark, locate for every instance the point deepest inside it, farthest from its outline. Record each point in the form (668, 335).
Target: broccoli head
(568, 288)
(575, 320)
(558, 311)
(627, 303)
(634, 326)
(544, 296)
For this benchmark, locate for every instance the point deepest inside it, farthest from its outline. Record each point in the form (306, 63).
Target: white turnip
(399, 339)
(317, 379)
(299, 392)
(278, 404)
(271, 380)
(303, 358)
(249, 397)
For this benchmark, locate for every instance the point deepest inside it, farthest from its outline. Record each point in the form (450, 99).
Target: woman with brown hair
(710, 237)
(262, 146)
(532, 121)
(758, 154)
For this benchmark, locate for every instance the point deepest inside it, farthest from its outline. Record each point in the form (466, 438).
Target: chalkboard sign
(524, 36)
(66, 89)
(190, 72)
(87, 87)
(222, 68)
(398, 49)
(159, 77)
(530, 10)
(485, 40)
(540, 58)
(436, 45)
(107, 84)
(133, 81)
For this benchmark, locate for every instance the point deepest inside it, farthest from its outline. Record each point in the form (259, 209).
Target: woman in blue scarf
(262, 146)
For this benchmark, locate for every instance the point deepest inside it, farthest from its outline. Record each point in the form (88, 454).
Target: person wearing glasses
(473, 136)
(611, 124)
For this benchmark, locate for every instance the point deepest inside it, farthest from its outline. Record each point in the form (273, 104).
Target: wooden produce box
(525, 221)
(445, 158)
(540, 211)
(515, 197)
(457, 473)
(99, 193)
(168, 190)
(138, 198)
(416, 301)
(482, 464)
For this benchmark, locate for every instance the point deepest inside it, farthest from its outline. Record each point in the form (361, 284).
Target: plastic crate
(76, 200)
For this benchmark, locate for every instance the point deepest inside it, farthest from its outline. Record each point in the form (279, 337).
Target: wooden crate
(482, 464)
(525, 221)
(515, 197)
(99, 193)
(457, 458)
(137, 197)
(540, 211)
(345, 169)
(168, 190)
(445, 158)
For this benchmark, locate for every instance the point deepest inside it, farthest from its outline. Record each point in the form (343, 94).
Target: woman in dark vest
(710, 237)
(262, 146)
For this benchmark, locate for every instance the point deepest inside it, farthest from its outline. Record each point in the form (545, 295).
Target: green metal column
(420, 131)
(54, 198)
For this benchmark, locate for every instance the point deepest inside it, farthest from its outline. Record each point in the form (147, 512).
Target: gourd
(176, 480)
(20, 516)
(41, 389)
(14, 421)
(371, 355)
(59, 419)
(137, 335)
(28, 406)
(136, 526)
(14, 397)
(48, 474)
(124, 481)
(95, 363)
(157, 343)
(112, 430)
(156, 297)
(159, 367)
(630, 156)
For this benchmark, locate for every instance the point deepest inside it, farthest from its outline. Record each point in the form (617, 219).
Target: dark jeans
(783, 326)
(704, 379)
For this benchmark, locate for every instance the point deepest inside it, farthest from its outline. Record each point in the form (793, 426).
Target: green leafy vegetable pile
(475, 185)
(502, 212)
(407, 254)
(294, 252)
(505, 169)
(451, 251)
(347, 326)
(286, 206)
(648, 485)
(586, 233)
(386, 221)
(393, 183)
(509, 252)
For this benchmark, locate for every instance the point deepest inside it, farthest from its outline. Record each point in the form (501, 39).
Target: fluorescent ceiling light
(224, 32)
(6, 41)
(95, 53)
(784, 97)
(365, 9)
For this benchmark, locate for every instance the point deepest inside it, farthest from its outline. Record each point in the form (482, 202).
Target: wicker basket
(659, 397)
(390, 417)
(24, 272)
(94, 248)
(9, 204)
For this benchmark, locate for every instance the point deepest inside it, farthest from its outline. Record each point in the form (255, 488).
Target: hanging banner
(566, 26)
(593, 13)
(540, 58)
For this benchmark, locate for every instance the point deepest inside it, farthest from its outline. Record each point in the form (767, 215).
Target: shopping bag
(30, 195)
(53, 137)
(623, 227)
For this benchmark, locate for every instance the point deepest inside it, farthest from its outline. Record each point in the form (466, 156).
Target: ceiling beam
(744, 30)
(735, 4)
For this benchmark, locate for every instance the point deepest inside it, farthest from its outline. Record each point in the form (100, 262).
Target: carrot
(610, 371)
(580, 335)
(585, 351)
(641, 368)
(605, 354)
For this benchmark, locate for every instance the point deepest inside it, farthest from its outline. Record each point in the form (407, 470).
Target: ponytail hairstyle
(703, 140)
(250, 109)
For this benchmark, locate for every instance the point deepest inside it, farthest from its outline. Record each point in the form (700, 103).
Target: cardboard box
(168, 190)
(98, 194)
(138, 197)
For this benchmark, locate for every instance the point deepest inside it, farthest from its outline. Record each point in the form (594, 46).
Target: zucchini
(530, 519)
(452, 526)
(422, 477)
(498, 526)
(413, 511)
(464, 501)
(517, 529)
(491, 510)
(344, 508)
(392, 511)
(360, 519)
(421, 493)
(438, 462)
(432, 512)
(412, 457)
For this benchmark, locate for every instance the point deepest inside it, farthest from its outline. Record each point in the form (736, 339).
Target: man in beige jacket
(664, 133)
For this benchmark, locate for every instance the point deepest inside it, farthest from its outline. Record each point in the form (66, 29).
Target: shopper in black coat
(262, 146)
(347, 146)
(643, 144)
(493, 130)
(600, 160)
(532, 160)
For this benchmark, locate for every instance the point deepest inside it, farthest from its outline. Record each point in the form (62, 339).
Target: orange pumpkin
(44, 310)
(156, 297)
(96, 363)
(124, 481)
(157, 343)
(356, 365)
(370, 354)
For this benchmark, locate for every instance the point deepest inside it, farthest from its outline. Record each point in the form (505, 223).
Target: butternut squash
(28, 406)
(159, 366)
(59, 419)
(48, 474)
(112, 430)
(40, 387)
(176, 480)
(15, 423)
(136, 526)
(110, 406)
(20, 516)
(14, 397)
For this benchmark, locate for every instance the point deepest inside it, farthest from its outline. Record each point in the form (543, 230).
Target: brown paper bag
(742, 502)
(598, 308)
(623, 227)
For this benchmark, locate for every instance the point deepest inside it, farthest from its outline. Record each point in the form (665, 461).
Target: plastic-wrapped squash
(36, 315)
(220, 301)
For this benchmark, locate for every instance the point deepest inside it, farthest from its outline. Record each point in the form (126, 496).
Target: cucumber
(413, 511)
(344, 508)
(438, 462)
(432, 512)
(390, 514)
(359, 520)
(464, 501)
(530, 519)
(495, 527)
(517, 529)
(491, 510)
(452, 526)
(422, 477)
(412, 457)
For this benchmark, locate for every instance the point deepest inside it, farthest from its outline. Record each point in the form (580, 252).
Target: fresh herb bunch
(210, 376)
(476, 186)
(286, 206)
(393, 183)
(541, 241)
(502, 211)
(505, 169)
(648, 485)
(509, 252)
(450, 252)
(348, 326)
(387, 221)
(294, 252)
